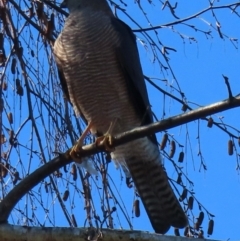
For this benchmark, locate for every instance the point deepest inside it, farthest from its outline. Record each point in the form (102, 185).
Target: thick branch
(8, 203)
(18, 233)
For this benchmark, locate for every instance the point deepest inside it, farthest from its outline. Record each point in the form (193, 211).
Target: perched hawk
(100, 71)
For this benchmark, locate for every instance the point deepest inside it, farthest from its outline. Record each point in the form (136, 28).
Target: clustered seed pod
(19, 88)
(230, 147)
(65, 195)
(173, 149)
(184, 195)
(181, 156)
(164, 141)
(210, 122)
(10, 117)
(74, 172)
(190, 202)
(13, 66)
(199, 221)
(136, 206)
(210, 227)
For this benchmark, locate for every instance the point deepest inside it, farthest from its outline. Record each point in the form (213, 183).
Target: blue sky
(198, 67)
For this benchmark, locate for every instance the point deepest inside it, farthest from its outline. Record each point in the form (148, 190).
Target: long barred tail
(160, 202)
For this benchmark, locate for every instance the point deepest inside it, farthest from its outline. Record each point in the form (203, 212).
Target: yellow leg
(78, 146)
(107, 138)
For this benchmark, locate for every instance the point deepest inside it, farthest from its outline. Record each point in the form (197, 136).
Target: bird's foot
(75, 152)
(76, 149)
(106, 141)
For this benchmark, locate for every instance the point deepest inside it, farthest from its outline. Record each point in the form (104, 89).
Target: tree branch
(8, 203)
(18, 233)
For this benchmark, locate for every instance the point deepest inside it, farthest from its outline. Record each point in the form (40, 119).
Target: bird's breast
(95, 79)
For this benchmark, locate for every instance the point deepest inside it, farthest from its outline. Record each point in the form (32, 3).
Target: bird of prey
(101, 75)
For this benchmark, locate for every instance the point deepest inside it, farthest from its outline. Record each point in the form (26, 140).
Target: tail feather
(151, 181)
(157, 195)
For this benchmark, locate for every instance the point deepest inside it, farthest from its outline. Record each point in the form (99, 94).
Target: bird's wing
(127, 54)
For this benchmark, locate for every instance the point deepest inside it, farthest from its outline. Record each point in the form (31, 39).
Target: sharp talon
(74, 153)
(106, 141)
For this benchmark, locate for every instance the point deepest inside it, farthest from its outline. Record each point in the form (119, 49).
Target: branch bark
(18, 233)
(8, 203)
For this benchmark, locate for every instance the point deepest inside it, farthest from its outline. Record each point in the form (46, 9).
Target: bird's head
(72, 5)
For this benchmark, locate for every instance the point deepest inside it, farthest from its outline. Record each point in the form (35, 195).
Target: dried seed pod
(20, 90)
(113, 209)
(4, 170)
(32, 53)
(74, 172)
(179, 179)
(200, 218)
(1, 104)
(65, 195)
(13, 66)
(18, 82)
(210, 227)
(181, 156)
(3, 139)
(184, 107)
(238, 141)
(196, 226)
(190, 202)
(74, 221)
(50, 25)
(1, 40)
(2, 57)
(11, 137)
(210, 122)
(186, 232)
(4, 85)
(230, 147)
(16, 178)
(46, 186)
(136, 206)
(176, 232)
(184, 195)
(10, 117)
(164, 141)
(173, 149)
